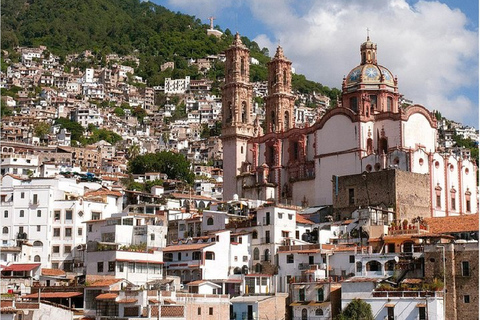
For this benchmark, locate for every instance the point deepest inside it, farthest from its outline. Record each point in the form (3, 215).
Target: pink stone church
(368, 131)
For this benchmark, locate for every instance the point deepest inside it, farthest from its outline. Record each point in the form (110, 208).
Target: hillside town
(298, 207)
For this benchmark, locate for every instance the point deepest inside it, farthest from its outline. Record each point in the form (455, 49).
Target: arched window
(244, 112)
(258, 268)
(38, 244)
(254, 234)
(256, 254)
(304, 314)
(287, 121)
(390, 265)
(237, 270)
(374, 266)
(5, 230)
(242, 66)
(229, 113)
(267, 255)
(319, 312)
(272, 116)
(210, 221)
(245, 269)
(389, 104)
(36, 258)
(285, 77)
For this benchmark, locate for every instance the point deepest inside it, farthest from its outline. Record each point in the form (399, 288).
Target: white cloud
(427, 46)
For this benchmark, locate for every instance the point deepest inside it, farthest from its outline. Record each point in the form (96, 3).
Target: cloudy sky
(432, 46)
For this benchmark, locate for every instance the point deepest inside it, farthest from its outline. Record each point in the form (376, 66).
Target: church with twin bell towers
(368, 134)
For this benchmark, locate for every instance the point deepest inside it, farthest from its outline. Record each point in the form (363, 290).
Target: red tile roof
(126, 300)
(22, 267)
(53, 272)
(107, 296)
(102, 192)
(463, 223)
(301, 219)
(51, 295)
(104, 282)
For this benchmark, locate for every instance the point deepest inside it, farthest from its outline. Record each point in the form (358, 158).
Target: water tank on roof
(235, 197)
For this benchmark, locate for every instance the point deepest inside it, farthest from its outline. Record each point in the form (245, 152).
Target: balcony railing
(407, 294)
(267, 258)
(312, 266)
(265, 240)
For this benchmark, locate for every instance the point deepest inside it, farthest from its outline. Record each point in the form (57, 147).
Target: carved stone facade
(237, 122)
(279, 103)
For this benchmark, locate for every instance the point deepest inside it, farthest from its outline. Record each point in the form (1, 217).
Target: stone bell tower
(237, 122)
(279, 104)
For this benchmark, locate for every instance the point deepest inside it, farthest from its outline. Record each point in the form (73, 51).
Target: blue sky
(432, 46)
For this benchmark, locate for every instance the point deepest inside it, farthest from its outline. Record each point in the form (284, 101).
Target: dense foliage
(151, 32)
(174, 165)
(357, 309)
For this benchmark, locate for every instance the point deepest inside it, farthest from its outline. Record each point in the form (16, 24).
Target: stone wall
(406, 192)
(458, 283)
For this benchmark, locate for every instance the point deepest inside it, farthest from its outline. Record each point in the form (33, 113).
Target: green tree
(174, 165)
(75, 128)
(40, 129)
(357, 309)
(133, 151)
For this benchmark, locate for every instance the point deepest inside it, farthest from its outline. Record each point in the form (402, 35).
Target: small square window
(210, 310)
(352, 259)
(56, 232)
(100, 266)
(80, 231)
(39, 213)
(56, 249)
(67, 249)
(5, 214)
(199, 311)
(68, 232)
(39, 228)
(22, 195)
(466, 299)
(22, 213)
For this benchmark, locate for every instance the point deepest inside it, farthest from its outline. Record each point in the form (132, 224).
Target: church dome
(370, 73)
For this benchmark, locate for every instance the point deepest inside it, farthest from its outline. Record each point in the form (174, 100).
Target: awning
(298, 303)
(299, 286)
(319, 304)
(390, 305)
(421, 305)
(107, 296)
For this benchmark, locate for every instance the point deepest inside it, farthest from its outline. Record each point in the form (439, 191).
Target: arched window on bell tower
(244, 112)
(284, 77)
(287, 121)
(242, 67)
(273, 122)
(229, 113)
